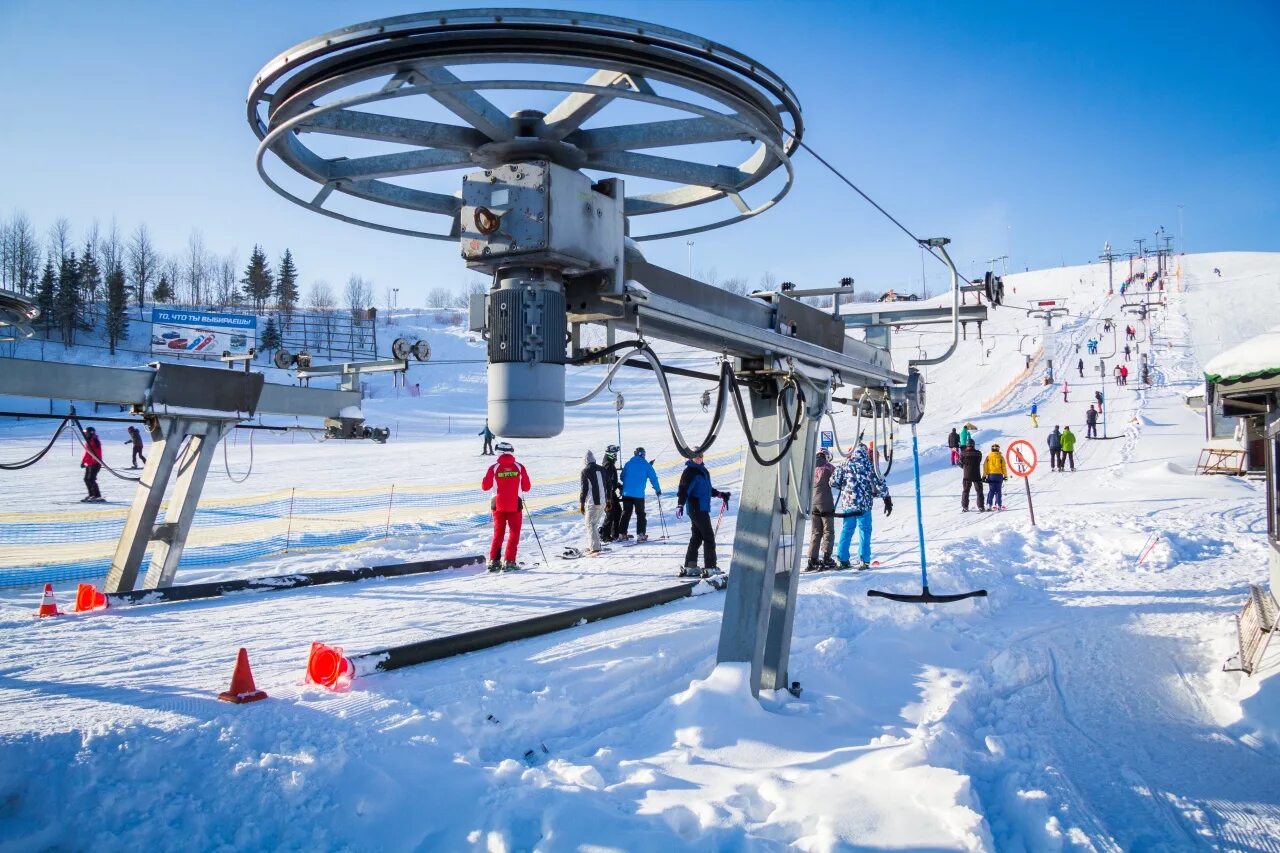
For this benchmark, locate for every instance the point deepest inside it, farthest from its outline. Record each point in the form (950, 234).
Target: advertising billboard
(185, 331)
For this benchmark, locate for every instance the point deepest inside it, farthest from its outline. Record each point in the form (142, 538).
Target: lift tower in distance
(558, 244)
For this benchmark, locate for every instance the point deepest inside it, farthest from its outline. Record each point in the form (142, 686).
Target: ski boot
(495, 565)
(844, 564)
(641, 538)
(813, 566)
(827, 564)
(863, 565)
(715, 577)
(690, 572)
(510, 566)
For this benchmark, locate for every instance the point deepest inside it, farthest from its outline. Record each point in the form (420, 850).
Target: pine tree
(66, 302)
(287, 284)
(90, 284)
(258, 279)
(270, 339)
(117, 309)
(164, 290)
(45, 296)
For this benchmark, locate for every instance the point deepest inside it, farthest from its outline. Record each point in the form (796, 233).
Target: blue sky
(1034, 130)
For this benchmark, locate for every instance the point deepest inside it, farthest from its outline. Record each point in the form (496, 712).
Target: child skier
(953, 442)
(91, 462)
(135, 439)
(823, 508)
(1035, 418)
(508, 478)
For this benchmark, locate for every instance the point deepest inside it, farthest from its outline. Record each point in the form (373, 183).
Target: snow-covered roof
(1256, 358)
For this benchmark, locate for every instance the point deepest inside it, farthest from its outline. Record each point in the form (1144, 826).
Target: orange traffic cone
(242, 687)
(89, 598)
(48, 605)
(327, 667)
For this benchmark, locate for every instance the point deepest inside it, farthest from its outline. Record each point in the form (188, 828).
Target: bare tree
(359, 296)
(19, 254)
(60, 239)
(320, 300)
(735, 284)
(111, 251)
(474, 287)
(143, 263)
(226, 286)
(195, 268)
(440, 297)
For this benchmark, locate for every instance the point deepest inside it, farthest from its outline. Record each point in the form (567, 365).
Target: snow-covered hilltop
(1081, 706)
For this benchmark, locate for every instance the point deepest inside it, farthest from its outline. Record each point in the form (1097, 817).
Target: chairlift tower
(559, 245)
(1110, 257)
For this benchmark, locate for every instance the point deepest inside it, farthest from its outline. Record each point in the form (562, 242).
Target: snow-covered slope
(1082, 705)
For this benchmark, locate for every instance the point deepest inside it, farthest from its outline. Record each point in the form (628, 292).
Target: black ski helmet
(639, 451)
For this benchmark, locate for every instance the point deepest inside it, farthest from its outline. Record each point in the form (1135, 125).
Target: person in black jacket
(953, 441)
(971, 468)
(135, 439)
(612, 499)
(696, 492)
(591, 500)
(1091, 423)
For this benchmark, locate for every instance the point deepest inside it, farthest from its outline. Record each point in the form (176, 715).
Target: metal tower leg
(786, 578)
(766, 513)
(171, 537)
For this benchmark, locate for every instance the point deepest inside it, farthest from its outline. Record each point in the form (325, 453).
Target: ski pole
(536, 538)
(723, 507)
(662, 516)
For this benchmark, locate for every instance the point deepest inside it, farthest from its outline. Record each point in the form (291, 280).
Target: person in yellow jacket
(994, 471)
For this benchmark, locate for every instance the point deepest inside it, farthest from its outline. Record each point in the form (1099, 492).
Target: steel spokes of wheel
(330, 87)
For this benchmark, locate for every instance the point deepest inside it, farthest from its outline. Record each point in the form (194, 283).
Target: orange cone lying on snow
(88, 598)
(48, 605)
(242, 687)
(327, 667)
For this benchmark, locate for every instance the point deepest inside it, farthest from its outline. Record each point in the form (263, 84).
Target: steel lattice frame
(322, 86)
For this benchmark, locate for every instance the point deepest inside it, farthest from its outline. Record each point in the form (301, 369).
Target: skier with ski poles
(695, 491)
(487, 450)
(508, 479)
(857, 483)
(635, 474)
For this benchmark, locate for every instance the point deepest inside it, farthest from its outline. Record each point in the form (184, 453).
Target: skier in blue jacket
(696, 492)
(635, 474)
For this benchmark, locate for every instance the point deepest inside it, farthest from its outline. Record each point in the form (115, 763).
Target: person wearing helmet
(612, 501)
(994, 472)
(696, 492)
(635, 474)
(487, 435)
(91, 462)
(822, 521)
(135, 440)
(507, 478)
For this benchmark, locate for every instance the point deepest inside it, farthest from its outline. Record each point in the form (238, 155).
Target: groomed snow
(1081, 706)
(1256, 358)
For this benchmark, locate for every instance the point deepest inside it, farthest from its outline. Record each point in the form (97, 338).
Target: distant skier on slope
(995, 471)
(1127, 352)
(635, 474)
(964, 436)
(695, 492)
(1080, 366)
(508, 478)
(971, 470)
(1064, 390)
(135, 439)
(1035, 419)
(858, 484)
(487, 450)
(1091, 423)
(591, 499)
(91, 462)
(822, 511)
(953, 442)
(1055, 449)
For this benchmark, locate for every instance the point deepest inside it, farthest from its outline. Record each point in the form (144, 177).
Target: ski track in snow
(1081, 706)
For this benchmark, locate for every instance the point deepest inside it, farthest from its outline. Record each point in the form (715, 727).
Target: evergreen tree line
(85, 284)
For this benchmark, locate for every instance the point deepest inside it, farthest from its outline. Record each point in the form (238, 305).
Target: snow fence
(48, 547)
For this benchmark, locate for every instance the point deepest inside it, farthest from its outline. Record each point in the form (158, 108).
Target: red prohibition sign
(1021, 457)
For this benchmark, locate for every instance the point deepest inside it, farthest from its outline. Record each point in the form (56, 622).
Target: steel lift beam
(187, 410)
(559, 245)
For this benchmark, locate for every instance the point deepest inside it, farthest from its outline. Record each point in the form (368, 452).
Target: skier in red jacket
(510, 479)
(91, 462)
